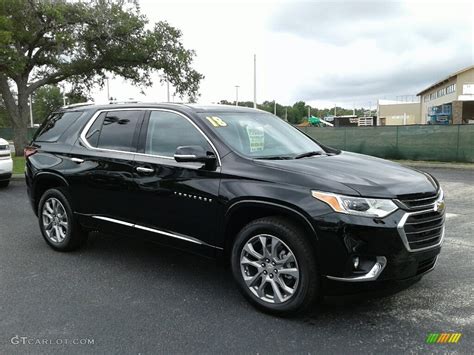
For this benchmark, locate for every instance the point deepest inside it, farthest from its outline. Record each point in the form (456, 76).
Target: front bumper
(6, 167)
(379, 245)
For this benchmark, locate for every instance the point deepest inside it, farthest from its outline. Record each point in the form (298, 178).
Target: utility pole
(167, 91)
(108, 89)
(353, 109)
(237, 95)
(309, 112)
(274, 107)
(335, 110)
(64, 94)
(286, 114)
(254, 81)
(31, 113)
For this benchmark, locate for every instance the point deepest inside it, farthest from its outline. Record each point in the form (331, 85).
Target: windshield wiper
(308, 154)
(274, 157)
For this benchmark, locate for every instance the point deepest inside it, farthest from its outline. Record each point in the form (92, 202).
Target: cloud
(376, 49)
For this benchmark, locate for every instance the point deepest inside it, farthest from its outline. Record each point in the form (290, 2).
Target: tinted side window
(93, 133)
(168, 130)
(118, 130)
(55, 126)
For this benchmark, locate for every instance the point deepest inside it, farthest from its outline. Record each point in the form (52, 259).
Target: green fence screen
(414, 142)
(7, 133)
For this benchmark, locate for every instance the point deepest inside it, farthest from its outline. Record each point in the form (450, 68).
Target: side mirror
(193, 153)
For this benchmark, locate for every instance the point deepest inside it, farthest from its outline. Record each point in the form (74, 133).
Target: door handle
(142, 169)
(77, 160)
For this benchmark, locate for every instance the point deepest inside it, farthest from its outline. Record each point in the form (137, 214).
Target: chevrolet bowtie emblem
(439, 206)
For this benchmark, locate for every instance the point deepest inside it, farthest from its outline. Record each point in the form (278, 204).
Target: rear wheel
(275, 267)
(4, 183)
(57, 222)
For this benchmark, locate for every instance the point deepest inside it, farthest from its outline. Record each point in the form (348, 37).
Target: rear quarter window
(55, 125)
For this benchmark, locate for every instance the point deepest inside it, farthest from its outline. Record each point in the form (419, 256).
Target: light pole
(108, 89)
(237, 95)
(64, 94)
(254, 81)
(167, 91)
(274, 107)
(31, 112)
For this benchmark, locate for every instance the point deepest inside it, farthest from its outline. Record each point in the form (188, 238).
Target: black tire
(74, 235)
(306, 291)
(4, 183)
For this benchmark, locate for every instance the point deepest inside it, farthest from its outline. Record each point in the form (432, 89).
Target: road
(120, 295)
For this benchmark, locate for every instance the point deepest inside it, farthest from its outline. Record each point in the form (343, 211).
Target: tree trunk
(20, 139)
(20, 131)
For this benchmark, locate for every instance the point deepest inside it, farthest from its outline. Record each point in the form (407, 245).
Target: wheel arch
(243, 212)
(43, 181)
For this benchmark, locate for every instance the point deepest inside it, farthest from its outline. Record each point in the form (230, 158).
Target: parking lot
(131, 296)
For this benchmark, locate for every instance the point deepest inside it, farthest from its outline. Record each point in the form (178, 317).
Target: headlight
(369, 207)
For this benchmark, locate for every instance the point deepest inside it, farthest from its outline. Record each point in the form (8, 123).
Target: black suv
(293, 217)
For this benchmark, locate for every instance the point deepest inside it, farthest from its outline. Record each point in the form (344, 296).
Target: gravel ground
(120, 295)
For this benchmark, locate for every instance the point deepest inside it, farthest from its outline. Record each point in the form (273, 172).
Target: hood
(368, 176)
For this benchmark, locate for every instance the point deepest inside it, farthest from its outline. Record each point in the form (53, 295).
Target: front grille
(418, 201)
(424, 229)
(425, 265)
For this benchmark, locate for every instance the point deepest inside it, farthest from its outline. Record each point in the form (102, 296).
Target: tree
(3, 115)
(46, 100)
(44, 42)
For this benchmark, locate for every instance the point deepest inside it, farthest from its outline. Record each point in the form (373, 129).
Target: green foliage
(45, 42)
(83, 41)
(298, 112)
(45, 101)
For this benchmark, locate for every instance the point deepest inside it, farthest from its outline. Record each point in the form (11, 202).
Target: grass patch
(18, 165)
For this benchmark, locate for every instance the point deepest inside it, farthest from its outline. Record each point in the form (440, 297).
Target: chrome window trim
(83, 139)
(157, 231)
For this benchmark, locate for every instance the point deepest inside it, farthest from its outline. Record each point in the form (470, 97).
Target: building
(391, 113)
(450, 100)
(351, 121)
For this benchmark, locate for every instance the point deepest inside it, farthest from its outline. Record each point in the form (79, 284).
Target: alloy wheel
(269, 268)
(55, 221)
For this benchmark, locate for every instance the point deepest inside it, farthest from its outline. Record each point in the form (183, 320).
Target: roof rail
(113, 102)
(88, 103)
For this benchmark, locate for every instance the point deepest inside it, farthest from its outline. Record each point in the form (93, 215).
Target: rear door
(177, 201)
(102, 182)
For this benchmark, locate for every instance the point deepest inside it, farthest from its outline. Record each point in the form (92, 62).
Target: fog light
(355, 261)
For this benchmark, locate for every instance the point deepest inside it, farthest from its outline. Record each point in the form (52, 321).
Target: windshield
(260, 135)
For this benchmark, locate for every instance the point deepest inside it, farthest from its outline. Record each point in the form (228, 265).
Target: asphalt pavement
(125, 295)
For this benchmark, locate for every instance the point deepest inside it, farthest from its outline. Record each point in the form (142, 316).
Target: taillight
(28, 151)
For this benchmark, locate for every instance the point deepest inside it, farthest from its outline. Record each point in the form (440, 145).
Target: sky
(346, 53)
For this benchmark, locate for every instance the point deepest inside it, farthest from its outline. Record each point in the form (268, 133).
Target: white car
(6, 163)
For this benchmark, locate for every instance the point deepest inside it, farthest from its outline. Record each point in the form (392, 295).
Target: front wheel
(275, 267)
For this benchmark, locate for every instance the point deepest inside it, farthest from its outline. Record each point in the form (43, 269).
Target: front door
(177, 201)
